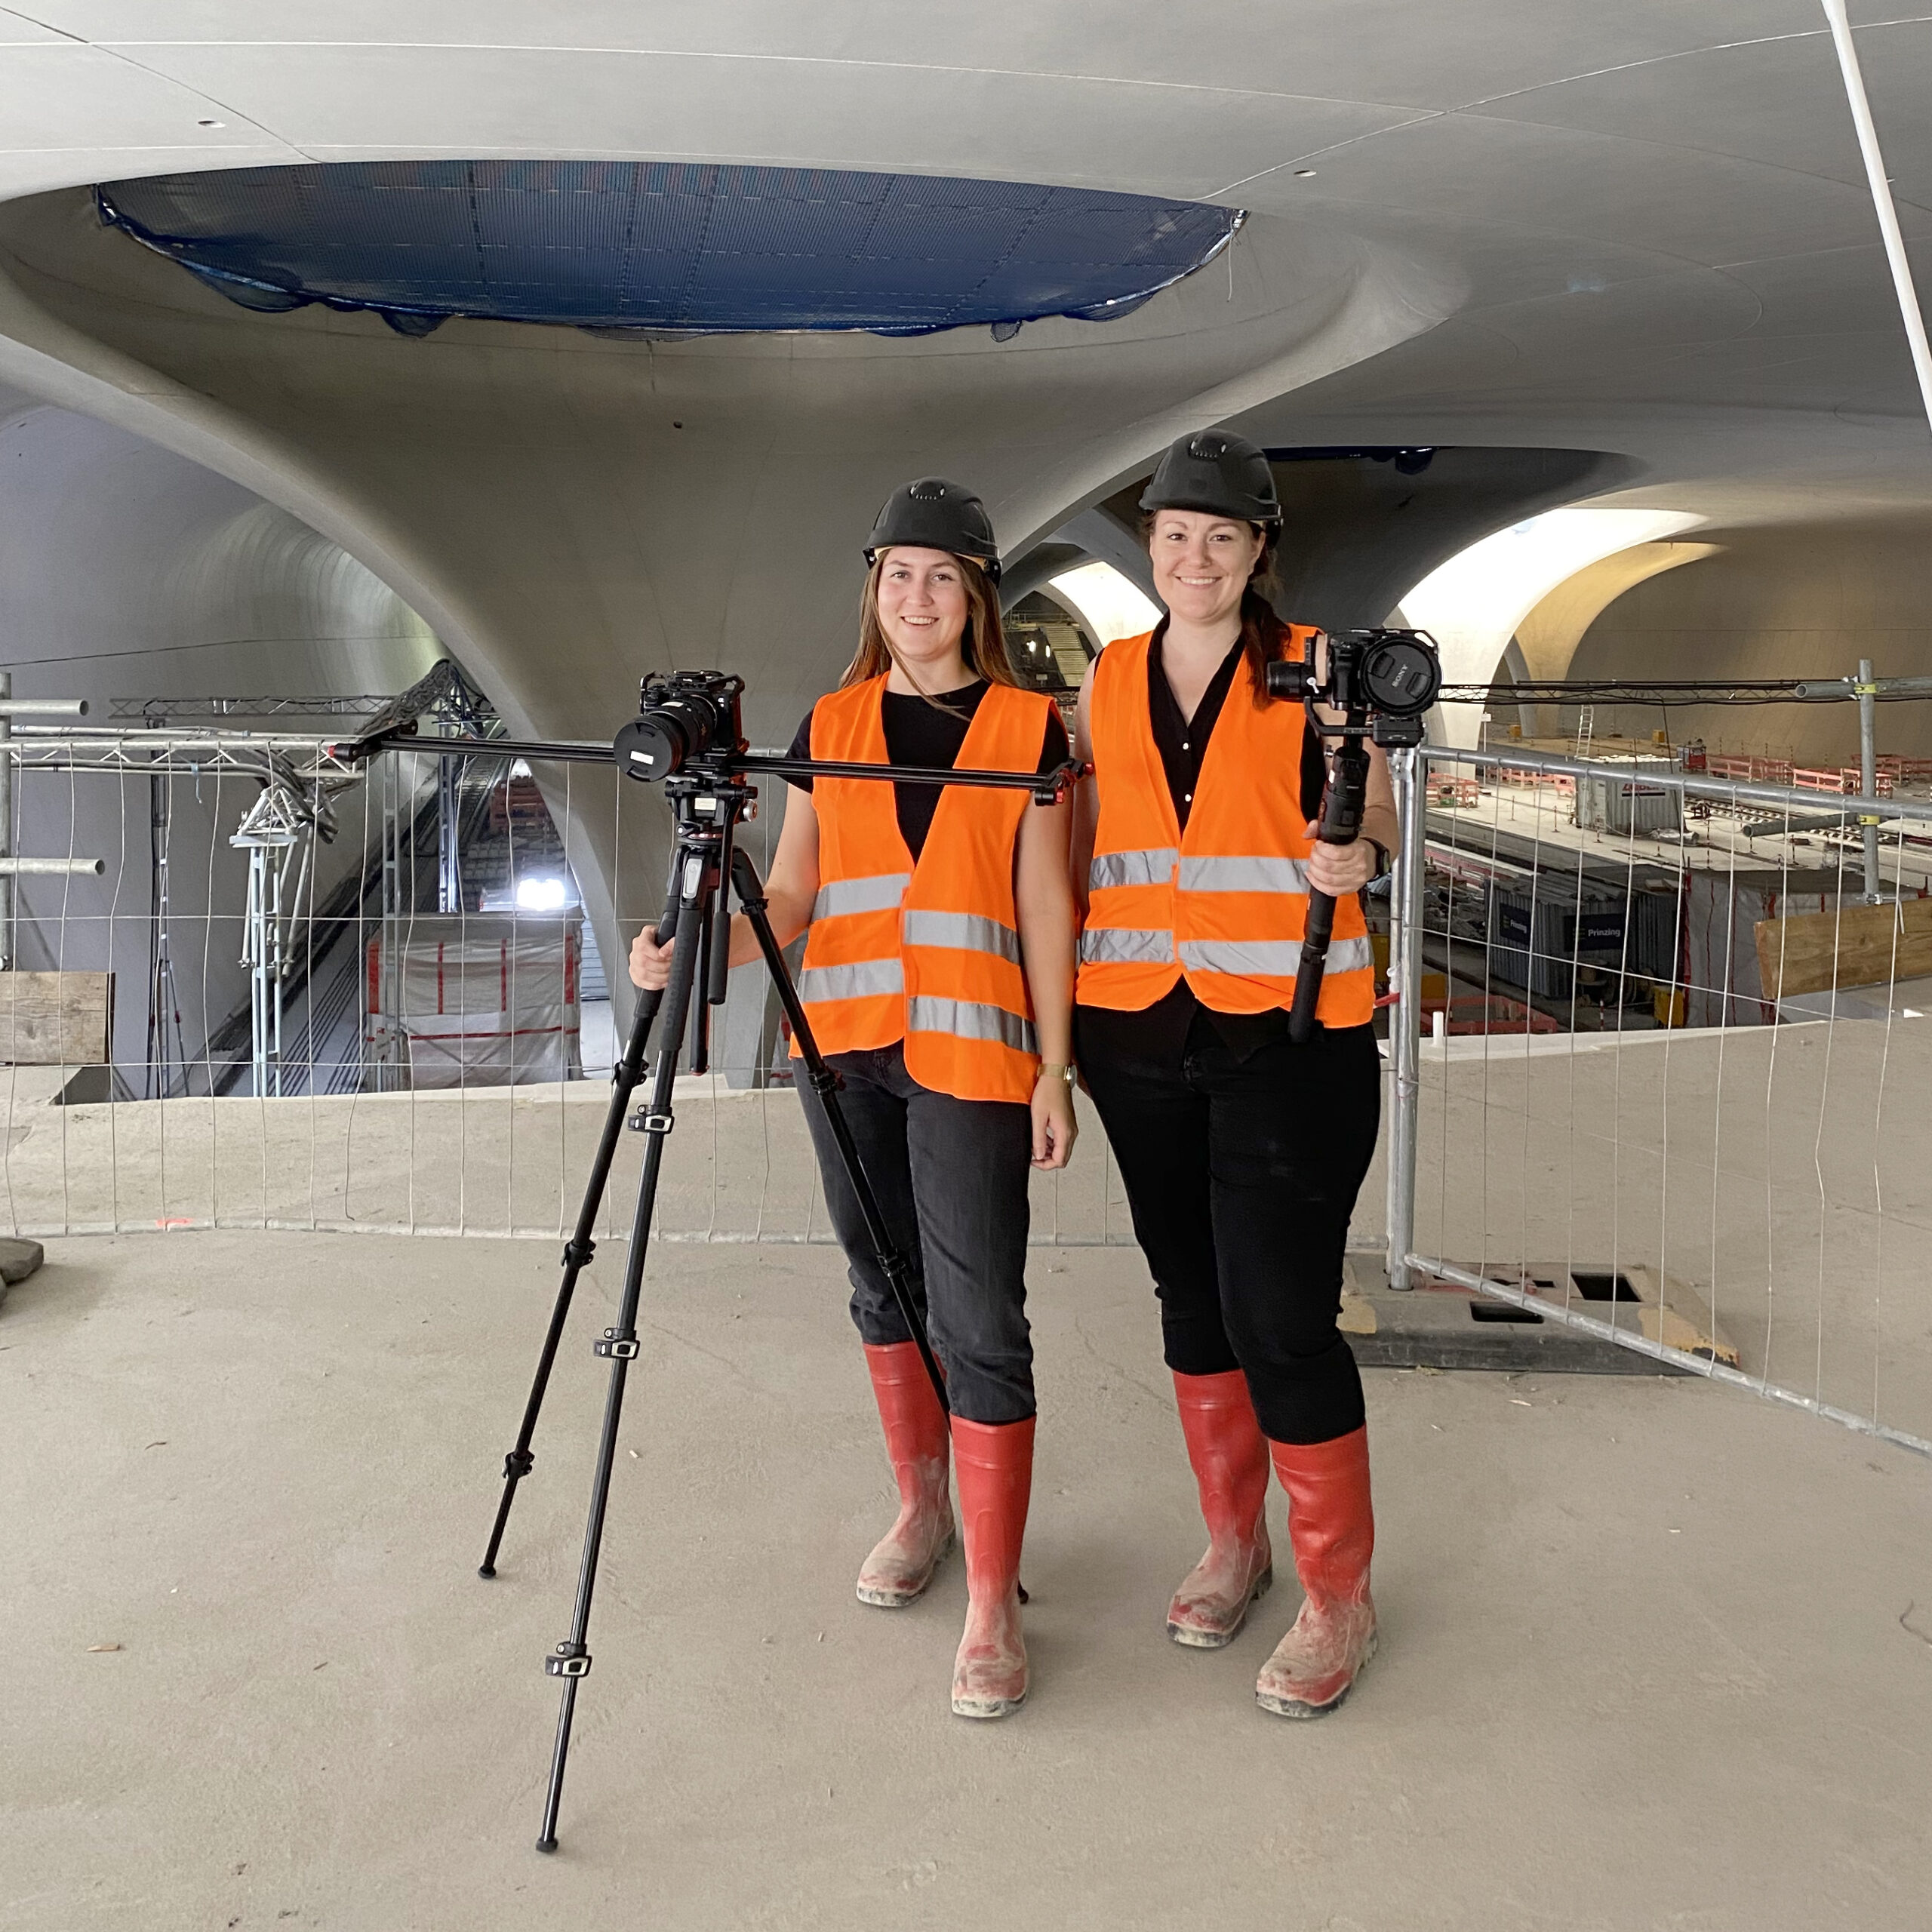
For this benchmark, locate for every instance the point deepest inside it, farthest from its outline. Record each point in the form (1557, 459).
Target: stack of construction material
(1754, 938)
(1543, 930)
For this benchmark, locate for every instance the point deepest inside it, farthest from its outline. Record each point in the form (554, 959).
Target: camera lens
(679, 718)
(1401, 676)
(650, 747)
(1289, 680)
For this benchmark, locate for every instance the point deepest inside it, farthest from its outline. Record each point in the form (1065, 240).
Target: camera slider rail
(1047, 787)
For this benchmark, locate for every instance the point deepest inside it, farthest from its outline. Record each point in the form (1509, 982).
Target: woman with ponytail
(1242, 1153)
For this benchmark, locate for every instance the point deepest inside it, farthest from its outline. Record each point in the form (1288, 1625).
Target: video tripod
(687, 734)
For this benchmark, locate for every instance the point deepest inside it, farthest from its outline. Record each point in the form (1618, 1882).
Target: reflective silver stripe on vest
(1350, 955)
(969, 932)
(1155, 866)
(860, 980)
(881, 892)
(1232, 872)
(1268, 958)
(1126, 946)
(969, 1020)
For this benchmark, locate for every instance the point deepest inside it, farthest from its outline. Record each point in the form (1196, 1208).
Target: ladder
(1586, 727)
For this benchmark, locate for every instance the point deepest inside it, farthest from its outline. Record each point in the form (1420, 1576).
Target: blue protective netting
(666, 248)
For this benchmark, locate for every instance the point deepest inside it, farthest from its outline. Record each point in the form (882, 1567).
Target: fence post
(1868, 776)
(1409, 772)
(6, 823)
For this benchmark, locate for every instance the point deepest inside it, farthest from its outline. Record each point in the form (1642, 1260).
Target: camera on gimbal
(1382, 681)
(1387, 678)
(682, 718)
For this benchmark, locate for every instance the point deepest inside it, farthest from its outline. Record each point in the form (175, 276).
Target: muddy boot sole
(1297, 1707)
(1192, 1636)
(982, 1708)
(882, 1597)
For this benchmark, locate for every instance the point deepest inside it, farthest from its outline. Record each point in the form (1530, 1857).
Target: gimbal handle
(1342, 806)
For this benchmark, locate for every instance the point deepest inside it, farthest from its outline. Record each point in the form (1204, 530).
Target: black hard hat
(1218, 471)
(934, 514)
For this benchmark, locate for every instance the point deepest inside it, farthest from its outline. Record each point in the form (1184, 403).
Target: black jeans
(1242, 1169)
(951, 1178)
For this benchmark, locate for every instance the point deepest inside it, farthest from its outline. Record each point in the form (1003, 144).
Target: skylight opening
(664, 248)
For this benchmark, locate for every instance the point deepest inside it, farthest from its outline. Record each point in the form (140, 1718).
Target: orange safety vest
(1226, 901)
(927, 953)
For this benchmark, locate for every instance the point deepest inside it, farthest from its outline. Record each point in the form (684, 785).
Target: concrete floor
(1655, 1655)
(1784, 1174)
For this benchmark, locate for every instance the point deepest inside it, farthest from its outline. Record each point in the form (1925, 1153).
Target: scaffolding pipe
(1882, 205)
(1780, 797)
(12, 867)
(39, 707)
(1868, 776)
(1405, 1015)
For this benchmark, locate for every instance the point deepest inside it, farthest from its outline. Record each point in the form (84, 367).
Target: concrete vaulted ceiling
(1639, 232)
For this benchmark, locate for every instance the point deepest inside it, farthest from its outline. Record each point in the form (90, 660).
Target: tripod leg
(578, 1254)
(571, 1659)
(896, 1269)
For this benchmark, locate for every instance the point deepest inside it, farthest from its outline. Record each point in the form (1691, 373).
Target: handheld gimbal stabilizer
(688, 735)
(1382, 681)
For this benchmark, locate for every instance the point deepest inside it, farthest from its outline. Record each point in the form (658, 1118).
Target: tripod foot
(546, 1844)
(486, 1571)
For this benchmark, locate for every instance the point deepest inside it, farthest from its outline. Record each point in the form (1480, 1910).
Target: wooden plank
(56, 1019)
(1811, 953)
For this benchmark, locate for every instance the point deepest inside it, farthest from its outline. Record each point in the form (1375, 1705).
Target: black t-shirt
(1177, 1022)
(930, 732)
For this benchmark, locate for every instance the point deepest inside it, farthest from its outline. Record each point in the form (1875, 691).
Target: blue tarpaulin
(666, 248)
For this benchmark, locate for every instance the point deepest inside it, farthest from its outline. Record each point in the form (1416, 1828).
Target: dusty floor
(1655, 1655)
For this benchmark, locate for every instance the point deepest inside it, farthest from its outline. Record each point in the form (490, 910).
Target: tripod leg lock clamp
(568, 1660)
(616, 1347)
(580, 1254)
(641, 1122)
(517, 1463)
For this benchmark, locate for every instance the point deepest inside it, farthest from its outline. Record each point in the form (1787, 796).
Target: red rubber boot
(995, 1465)
(1229, 1458)
(1332, 1527)
(901, 1564)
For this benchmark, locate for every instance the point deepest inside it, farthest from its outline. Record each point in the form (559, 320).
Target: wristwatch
(1056, 1069)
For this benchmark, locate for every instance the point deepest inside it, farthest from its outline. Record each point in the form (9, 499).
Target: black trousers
(951, 1178)
(1242, 1169)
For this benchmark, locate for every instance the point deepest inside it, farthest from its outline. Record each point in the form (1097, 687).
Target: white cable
(1882, 205)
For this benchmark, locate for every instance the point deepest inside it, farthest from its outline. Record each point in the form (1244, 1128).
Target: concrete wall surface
(129, 573)
(1808, 601)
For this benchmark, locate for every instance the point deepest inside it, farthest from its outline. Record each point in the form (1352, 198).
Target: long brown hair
(982, 644)
(1264, 637)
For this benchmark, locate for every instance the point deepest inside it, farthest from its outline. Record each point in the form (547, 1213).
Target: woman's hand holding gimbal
(1339, 870)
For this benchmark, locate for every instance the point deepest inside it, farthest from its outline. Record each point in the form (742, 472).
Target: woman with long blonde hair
(938, 977)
